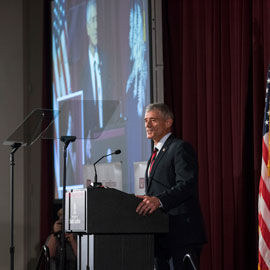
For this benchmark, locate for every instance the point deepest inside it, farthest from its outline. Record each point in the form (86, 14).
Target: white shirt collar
(161, 142)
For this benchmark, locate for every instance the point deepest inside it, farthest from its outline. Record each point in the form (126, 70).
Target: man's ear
(169, 123)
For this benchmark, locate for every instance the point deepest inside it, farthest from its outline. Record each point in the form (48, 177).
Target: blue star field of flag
(59, 20)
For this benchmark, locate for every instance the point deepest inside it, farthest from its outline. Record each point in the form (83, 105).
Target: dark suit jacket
(109, 103)
(174, 180)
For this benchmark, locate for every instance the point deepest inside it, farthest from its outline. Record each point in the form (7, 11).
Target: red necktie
(153, 157)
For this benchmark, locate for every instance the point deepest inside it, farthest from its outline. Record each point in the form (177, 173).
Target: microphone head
(118, 151)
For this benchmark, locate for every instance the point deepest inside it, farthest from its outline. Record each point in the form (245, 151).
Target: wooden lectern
(114, 235)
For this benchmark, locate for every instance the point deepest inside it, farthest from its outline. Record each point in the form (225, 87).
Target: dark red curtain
(216, 54)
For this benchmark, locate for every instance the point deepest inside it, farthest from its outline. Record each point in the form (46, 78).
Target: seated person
(54, 244)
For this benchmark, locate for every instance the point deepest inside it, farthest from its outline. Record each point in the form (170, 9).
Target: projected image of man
(91, 79)
(95, 86)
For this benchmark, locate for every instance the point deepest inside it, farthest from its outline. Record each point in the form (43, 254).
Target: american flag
(264, 190)
(61, 75)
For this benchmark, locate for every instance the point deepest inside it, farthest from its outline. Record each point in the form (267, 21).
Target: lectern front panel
(107, 210)
(118, 252)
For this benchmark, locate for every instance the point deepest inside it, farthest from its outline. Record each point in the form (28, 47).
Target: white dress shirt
(95, 75)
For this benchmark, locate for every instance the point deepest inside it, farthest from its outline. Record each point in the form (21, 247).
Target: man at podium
(172, 184)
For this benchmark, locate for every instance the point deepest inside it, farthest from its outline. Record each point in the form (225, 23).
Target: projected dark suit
(173, 185)
(86, 84)
(92, 79)
(93, 108)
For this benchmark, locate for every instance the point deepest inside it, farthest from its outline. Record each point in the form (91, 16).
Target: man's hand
(57, 227)
(70, 237)
(73, 242)
(148, 205)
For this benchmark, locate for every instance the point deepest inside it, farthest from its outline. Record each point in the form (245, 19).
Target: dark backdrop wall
(216, 54)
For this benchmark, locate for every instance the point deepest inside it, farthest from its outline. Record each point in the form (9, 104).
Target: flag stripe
(265, 149)
(263, 171)
(264, 192)
(264, 229)
(262, 265)
(264, 254)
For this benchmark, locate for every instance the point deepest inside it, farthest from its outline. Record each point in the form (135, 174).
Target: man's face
(156, 126)
(91, 26)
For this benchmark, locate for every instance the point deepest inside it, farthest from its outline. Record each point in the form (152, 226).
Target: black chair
(44, 253)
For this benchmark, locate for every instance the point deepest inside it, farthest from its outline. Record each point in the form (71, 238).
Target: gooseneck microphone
(116, 152)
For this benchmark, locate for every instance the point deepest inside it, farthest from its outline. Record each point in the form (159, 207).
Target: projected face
(156, 125)
(91, 26)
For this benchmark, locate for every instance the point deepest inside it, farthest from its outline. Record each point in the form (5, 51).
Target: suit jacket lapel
(158, 159)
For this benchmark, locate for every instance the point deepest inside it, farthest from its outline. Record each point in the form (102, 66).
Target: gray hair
(89, 4)
(162, 108)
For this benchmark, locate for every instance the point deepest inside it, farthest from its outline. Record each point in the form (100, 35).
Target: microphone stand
(14, 148)
(66, 140)
(96, 183)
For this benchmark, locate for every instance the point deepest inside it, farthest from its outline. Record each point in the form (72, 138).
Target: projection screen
(101, 85)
